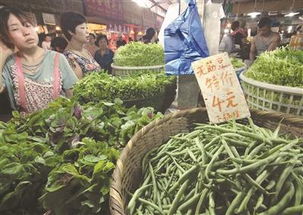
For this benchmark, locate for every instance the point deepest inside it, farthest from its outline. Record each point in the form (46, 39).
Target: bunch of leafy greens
(100, 86)
(139, 54)
(64, 156)
(280, 67)
(237, 63)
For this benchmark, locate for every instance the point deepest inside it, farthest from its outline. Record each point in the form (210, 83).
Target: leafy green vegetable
(64, 155)
(237, 63)
(280, 67)
(99, 86)
(139, 54)
(81, 185)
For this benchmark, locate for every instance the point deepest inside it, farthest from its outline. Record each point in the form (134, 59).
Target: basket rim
(242, 68)
(137, 67)
(273, 87)
(116, 178)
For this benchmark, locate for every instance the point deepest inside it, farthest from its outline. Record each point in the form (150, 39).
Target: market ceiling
(240, 6)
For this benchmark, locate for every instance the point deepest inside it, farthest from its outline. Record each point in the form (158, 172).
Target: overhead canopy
(157, 6)
(240, 6)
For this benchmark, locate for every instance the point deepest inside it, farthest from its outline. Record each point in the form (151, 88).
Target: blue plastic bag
(184, 42)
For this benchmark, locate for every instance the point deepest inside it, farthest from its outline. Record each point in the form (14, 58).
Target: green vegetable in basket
(237, 63)
(98, 86)
(222, 169)
(280, 67)
(139, 54)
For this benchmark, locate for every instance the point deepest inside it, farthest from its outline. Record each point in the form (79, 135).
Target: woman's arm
(4, 54)
(69, 93)
(68, 76)
(275, 42)
(253, 51)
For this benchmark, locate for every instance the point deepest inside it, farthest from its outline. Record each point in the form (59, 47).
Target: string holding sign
(220, 87)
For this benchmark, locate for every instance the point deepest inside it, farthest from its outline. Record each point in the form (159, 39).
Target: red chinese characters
(228, 102)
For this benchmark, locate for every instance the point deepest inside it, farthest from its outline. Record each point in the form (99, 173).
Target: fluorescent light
(254, 14)
(289, 29)
(143, 3)
(291, 14)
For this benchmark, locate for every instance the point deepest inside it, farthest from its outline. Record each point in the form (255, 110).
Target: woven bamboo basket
(270, 97)
(127, 70)
(160, 101)
(127, 175)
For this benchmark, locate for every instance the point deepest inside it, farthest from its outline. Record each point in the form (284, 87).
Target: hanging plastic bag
(184, 42)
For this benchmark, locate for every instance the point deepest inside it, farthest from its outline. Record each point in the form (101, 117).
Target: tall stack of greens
(139, 54)
(144, 86)
(275, 82)
(280, 67)
(61, 158)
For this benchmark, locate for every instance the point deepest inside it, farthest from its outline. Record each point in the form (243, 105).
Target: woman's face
(81, 33)
(22, 34)
(102, 44)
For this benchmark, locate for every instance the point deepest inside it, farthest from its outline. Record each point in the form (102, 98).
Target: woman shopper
(91, 45)
(104, 56)
(32, 76)
(74, 28)
(150, 36)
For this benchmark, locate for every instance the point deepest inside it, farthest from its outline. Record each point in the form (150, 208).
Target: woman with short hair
(74, 28)
(32, 76)
(104, 56)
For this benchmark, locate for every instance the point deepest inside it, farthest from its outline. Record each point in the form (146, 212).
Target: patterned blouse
(86, 65)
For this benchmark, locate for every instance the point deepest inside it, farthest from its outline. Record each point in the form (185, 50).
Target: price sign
(220, 87)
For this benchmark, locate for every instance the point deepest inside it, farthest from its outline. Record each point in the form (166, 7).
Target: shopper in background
(46, 43)
(227, 43)
(59, 44)
(32, 76)
(265, 40)
(296, 41)
(120, 41)
(239, 33)
(150, 36)
(104, 56)
(74, 28)
(91, 45)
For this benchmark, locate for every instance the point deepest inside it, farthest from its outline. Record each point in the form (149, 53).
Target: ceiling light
(291, 14)
(254, 14)
(143, 3)
(289, 29)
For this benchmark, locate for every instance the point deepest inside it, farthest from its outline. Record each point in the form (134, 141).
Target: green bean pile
(222, 169)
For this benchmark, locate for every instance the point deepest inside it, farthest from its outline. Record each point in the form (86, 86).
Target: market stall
(275, 82)
(112, 148)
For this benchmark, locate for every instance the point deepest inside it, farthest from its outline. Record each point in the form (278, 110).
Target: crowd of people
(266, 38)
(35, 71)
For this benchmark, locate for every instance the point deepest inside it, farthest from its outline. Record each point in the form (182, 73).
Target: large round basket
(160, 102)
(239, 71)
(127, 175)
(126, 70)
(269, 97)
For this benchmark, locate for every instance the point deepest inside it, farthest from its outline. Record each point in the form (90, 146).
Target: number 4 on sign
(217, 102)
